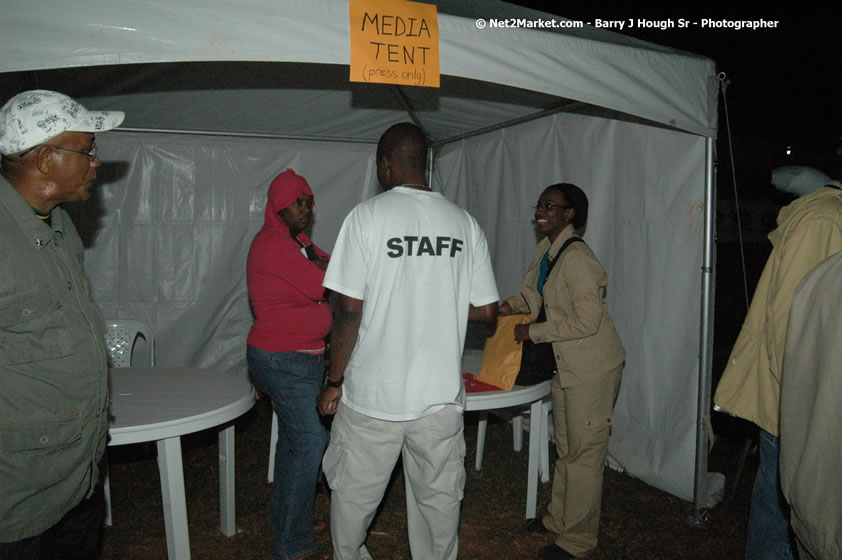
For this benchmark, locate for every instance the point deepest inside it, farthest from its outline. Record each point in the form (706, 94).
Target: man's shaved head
(404, 143)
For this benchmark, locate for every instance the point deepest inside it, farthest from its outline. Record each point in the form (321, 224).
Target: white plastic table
(162, 404)
(517, 396)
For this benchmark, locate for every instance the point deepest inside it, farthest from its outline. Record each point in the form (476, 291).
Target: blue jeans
(292, 380)
(769, 534)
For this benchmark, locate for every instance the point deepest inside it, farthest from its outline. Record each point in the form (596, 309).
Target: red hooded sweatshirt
(284, 287)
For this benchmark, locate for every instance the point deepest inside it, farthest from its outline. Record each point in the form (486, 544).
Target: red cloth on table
(474, 386)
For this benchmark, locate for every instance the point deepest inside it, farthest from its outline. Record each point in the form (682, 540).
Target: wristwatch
(330, 383)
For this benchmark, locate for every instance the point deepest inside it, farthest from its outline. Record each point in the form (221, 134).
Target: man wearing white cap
(53, 365)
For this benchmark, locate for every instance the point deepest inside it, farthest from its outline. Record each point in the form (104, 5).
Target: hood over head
(283, 191)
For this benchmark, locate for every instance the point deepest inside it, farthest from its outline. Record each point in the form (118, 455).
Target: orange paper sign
(394, 42)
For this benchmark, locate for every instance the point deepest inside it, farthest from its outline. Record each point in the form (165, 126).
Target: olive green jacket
(585, 342)
(53, 371)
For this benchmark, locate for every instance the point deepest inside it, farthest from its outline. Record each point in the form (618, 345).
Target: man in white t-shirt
(411, 268)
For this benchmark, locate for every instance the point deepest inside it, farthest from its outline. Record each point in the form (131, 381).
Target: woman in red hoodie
(285, 355)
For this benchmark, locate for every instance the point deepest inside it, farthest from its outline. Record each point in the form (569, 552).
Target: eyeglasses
(91, 153)
(549, 206)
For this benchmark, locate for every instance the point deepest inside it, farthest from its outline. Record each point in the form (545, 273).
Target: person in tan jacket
(809, 230)
(589, 358)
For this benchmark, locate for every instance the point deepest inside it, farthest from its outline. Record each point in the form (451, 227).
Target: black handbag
(537, 363)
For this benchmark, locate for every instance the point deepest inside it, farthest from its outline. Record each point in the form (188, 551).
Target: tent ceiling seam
(245, 135)
(561, 107)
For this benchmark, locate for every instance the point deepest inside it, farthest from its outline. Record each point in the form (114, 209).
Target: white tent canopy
(220, 97)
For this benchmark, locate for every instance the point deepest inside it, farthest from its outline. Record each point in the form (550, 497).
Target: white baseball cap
(798, 179)
(33, 117)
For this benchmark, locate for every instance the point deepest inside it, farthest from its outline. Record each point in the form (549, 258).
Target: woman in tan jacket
(567, 280)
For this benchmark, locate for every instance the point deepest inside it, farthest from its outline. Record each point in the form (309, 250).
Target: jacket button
(44, 439)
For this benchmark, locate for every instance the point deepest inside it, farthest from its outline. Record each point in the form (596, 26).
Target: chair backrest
(120, 338)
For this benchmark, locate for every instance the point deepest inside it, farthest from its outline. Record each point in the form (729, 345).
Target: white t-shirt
(417, 261)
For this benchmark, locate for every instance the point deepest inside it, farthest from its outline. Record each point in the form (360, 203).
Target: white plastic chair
(120, 338)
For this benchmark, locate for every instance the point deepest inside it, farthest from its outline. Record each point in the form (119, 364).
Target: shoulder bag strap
(564, 246)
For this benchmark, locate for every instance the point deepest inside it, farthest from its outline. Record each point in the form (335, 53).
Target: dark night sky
(783, 89)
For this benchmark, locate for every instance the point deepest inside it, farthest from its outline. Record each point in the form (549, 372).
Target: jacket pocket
(44, 434)
(33, 328)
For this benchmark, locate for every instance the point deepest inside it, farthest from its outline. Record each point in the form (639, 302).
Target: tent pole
(430, 155)
(407, 105)
(410, 110)
(700, 517)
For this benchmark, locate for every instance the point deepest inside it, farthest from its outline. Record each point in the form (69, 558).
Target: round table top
(489, 400)
(154, 403)
(516, 396)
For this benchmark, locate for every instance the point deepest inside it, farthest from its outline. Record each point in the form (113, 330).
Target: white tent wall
(178, 216)
(646, 191)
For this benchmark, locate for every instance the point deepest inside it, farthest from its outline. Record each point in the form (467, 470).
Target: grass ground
(638, 521)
